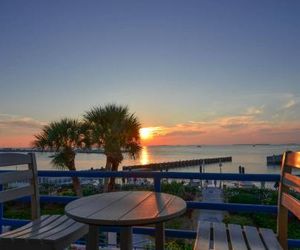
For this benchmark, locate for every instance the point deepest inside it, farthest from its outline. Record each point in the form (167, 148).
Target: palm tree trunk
(76, 182)
(111, 184)
(106, 180)
(76, 186)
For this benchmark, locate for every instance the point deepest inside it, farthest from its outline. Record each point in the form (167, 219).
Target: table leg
(160, 236)
(126, 238)
(93, 238)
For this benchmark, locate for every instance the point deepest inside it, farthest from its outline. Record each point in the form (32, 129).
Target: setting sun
(146, 133)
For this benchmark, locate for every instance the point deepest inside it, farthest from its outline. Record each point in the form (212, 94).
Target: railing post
(157, 184)
(1, 212)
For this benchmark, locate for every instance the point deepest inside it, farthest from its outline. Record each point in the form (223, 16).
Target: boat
(274, 160)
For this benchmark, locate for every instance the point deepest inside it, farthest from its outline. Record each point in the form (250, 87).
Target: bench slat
(291, 204)
(16, 193)
(51, 232)
(71, 234)
(15, 176)
(75, 226)
(236, 237)
(293, 160)
(28, 225)
(270, 239)
(253, 238)
(203, 236)
(13, 159)
(42, 229)
(35, 225)
(60, 224)
(291, 181)
(220, 236)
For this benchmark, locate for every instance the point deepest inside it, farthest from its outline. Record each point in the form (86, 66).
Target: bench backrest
(28, 176)
(287, 202)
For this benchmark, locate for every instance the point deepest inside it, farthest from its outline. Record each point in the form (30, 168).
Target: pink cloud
(16, 131)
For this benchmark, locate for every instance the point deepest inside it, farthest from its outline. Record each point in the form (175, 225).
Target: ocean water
(253, 158)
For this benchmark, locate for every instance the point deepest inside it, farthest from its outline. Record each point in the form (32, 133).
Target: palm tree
(63, 137)
(114, 129)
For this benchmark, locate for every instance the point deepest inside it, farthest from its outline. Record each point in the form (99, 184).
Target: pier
(178, 164)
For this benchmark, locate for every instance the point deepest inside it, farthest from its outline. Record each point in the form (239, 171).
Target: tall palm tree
(63, 137)
(114, 129)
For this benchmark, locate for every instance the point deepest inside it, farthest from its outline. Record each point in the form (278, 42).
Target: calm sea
(253, 158)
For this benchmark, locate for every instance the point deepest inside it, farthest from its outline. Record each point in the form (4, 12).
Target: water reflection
(252, 158)
(144, 156)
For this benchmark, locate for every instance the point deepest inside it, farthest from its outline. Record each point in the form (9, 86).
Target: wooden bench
(211, 235)
(219, 236)
(45, 232)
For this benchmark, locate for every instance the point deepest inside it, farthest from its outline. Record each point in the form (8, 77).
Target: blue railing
(157, 177)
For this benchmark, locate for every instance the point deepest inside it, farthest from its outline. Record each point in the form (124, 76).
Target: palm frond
(114, 128)
(59, 161)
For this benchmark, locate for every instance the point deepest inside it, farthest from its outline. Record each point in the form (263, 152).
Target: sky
(193, 72)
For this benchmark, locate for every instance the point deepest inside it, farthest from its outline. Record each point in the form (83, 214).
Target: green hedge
(258, 196)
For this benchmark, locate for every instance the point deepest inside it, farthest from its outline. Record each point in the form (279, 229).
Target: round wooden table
(126, 209)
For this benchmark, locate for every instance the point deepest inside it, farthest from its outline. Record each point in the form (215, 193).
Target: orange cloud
(228, 130)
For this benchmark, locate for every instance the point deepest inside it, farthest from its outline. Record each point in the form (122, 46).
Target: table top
(128, 208)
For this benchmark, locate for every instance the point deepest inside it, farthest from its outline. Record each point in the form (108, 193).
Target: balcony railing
(157, 177)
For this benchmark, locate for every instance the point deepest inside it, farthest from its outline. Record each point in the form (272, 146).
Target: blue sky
(174, 63)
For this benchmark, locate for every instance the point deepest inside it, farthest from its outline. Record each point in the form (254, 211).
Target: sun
(146, 133)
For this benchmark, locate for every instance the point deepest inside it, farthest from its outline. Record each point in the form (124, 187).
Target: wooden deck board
(253, 238)
(220, 236)
(236, 237)
(270, 239)
(203, 236)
